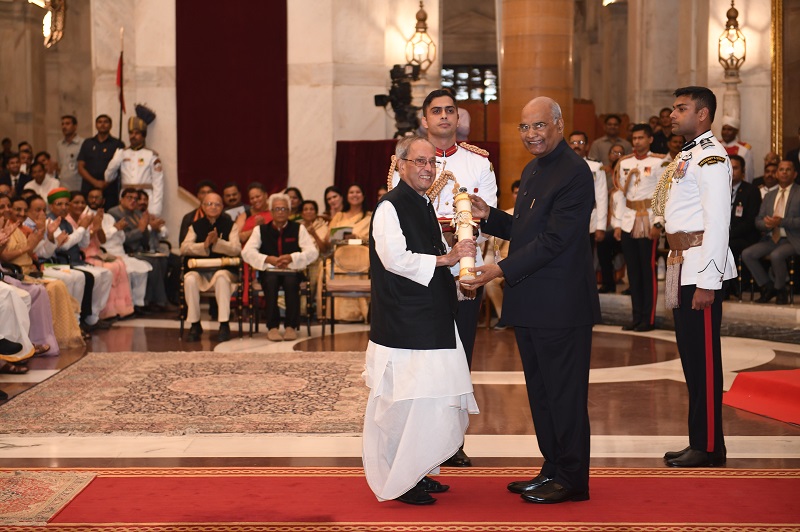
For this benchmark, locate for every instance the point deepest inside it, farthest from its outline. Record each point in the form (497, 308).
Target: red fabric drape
(232, 95)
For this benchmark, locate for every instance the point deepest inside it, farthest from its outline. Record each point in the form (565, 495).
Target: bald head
(541, 126)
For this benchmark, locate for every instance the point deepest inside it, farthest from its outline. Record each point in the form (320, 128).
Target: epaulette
(746, 145)
(627, 156)
(474, 149)
(594, 160)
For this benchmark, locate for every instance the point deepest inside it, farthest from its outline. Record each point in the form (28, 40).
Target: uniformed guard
(693, 201)
(471, 168)
(734, 146)
(137, 166)
(633, 224)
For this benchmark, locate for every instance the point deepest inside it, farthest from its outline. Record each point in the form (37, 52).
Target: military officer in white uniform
(472, 170)
(579, 143)
(633, 226)
(695, 197)
(139, 167)
(734, 146)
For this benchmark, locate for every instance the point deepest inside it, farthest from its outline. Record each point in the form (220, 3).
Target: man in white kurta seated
(416, 369)
(213, 236)
(280, 249)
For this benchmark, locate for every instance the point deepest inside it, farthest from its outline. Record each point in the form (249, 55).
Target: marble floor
(637, 405)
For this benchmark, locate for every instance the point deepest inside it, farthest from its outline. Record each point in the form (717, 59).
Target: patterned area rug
(200, 392)
(33, 497)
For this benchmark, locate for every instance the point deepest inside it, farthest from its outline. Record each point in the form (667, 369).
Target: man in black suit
(745, 203)
(550, 298)
(794, 155)
(13, 177)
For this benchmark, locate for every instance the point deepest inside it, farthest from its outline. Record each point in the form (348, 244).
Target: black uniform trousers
(697, 333)
(469, 311)
(556, 366)
(640, 260)
(290, 281)
(606, 249)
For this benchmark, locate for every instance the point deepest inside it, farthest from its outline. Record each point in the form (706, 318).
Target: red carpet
(774, 394)
(338, 499)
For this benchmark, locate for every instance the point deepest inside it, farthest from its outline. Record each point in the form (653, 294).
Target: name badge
(739, 211)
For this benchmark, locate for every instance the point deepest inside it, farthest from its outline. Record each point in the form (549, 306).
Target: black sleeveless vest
(405, 314)
(275, 242)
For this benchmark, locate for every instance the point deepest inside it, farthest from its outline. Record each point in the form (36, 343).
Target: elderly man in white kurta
(213, 236)
(416, 368)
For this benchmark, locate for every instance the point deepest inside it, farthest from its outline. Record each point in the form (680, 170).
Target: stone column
(536, 60)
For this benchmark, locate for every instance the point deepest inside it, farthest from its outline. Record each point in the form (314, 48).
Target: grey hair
(404, 146)
(555, 110)
(280, 196)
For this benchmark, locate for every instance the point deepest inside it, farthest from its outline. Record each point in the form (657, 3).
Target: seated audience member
(50, 166)
(6, 190)
(280, 245)
(233, 201)
(317, 227)
(41, 183)
(794, 155)
(113, 230)
(70, 253)
(214, 235)
(259, 211)
(297, 200)
(137, 241)
(119, 302)
(355, 215)
(674, 145)
(745, 204)
(157, 226)
(203, 187)
(334, 202)
(57, 326)
(771, 158)
(15, 345)
(769, 181)
(25, 157)
(13, 176)
(383, 189)
(779, 222)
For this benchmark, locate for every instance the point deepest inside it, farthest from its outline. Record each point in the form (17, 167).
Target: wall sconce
(732, 45)
(420, 49)
(53, 21)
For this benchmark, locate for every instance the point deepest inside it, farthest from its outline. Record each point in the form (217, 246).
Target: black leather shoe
(782, 298)
(767, 293)
(416, 495)
(524, 486)
(644, 327)
(460, 459)
(630, 326)
(141, 311)
(553, 493)
(607, 290)
(194, 332)
(695, 458)
(626, 292)
(671, 455)
(224, 333)
(432, 486)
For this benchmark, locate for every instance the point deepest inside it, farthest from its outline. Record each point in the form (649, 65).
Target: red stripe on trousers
(710, 412)
(655, 282)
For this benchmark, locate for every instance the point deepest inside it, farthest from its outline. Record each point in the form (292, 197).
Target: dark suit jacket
(792, 155)
(743, 228)
(791, 215)
(24, 179)
(549, 273)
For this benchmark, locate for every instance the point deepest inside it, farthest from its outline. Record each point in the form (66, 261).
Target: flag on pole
(119, 84)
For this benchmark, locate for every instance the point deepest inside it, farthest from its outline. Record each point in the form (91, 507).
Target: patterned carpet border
(417, 527)
(448, 471)
(32, 498)
(177, 393)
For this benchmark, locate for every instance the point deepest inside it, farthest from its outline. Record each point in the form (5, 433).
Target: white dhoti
(223, 283)
(137, 275)
(103, 279)
(417, 414)
(16, 322)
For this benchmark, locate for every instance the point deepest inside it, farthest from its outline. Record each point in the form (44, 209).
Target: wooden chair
(212, 265)
(345, 273)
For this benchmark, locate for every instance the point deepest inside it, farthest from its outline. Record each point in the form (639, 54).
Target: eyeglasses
(617, 153)
(280, 209)
(538, 126)
(212, 204)
(577, 142)
(420, 162)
